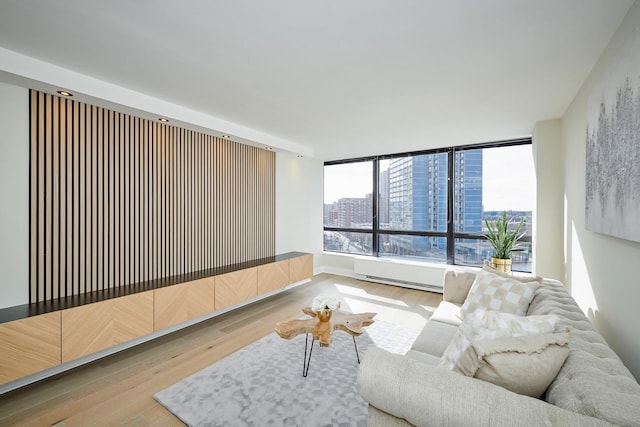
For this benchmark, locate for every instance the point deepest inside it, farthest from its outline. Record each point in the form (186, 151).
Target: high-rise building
(467, 214)
(418, 192)
(349, 212)
(383, 199)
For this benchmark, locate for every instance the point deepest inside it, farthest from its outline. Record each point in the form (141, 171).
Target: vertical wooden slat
(180, 205)
(169, 229)
(91, 198)
(99, 195)
(137, 197)
(207, 192)
(160, 155)
(110, 229)
(82, 218)
(176, 203)
(197, 185)
(48, 219)
(188, 203)
(132, 202)
(70, 221)
(151, 200)
(117, 199)
(235, 198)
(222, 203)
(34, 163)
(144, 201)
(60, 184)
(41, 284)
(126, 206)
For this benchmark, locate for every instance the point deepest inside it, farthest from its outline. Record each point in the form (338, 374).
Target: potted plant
(503, 240)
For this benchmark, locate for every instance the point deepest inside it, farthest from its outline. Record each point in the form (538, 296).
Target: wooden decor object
(236, 287)
(300, 268)
(322, 331)
(272, 277)
(29, 345)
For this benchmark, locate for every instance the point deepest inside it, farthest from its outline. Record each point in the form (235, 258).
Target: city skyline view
(498, 194)
(412, 211)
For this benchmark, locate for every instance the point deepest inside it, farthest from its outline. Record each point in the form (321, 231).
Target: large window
(489, 181)
(432, 205)
(348, 207)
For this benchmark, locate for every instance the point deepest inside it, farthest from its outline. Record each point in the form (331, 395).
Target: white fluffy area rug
(262, 384)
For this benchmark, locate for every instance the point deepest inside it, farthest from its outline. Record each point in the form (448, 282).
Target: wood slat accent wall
(116, 199)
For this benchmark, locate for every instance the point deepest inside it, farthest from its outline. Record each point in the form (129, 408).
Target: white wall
(299, 199)
(548, 255)
(14, 195)
(602, 272)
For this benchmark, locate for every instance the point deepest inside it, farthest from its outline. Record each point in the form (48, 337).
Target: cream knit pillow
(524, 365)
(487, 325)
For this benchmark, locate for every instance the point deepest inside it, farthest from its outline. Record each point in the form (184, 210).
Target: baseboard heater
(409, 274)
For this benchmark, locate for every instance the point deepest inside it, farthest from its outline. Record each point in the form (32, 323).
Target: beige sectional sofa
(592, 387)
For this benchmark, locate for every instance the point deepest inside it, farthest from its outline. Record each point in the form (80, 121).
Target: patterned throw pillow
(492, 292)
(487, 325)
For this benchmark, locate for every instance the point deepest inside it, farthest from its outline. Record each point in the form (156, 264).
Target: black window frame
(450, 234)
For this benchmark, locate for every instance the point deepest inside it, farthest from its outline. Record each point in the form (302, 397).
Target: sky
(506, 172)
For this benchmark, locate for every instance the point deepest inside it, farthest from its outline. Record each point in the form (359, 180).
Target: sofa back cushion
(457, 284)
(593, 381)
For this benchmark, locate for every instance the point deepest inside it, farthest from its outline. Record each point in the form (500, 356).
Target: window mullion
(376, 217)
(450, 203)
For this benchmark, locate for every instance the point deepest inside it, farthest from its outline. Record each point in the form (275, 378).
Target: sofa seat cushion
(434, 338)
(593, 381)
(426, 358)
(447, 312)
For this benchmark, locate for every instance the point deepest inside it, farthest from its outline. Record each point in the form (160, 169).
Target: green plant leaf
(503, 240)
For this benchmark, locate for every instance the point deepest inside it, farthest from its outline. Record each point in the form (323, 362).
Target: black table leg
(307, 362)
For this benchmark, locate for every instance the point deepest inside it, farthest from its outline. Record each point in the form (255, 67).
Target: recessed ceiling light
(65, 93)
(163, 119)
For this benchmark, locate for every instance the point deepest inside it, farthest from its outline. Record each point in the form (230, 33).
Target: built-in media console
(43, 339)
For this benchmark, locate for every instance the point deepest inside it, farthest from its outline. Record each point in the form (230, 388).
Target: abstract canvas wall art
(613, 147)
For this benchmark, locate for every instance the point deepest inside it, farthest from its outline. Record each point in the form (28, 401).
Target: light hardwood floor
(118, 390)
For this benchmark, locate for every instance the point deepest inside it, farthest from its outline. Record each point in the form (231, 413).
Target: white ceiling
(333, 79)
